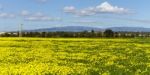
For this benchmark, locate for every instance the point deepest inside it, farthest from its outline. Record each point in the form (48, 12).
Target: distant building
(2, 33)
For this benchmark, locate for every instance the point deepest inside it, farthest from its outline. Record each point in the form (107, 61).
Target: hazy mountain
(67, 29)
(131, 29)
(83, 28)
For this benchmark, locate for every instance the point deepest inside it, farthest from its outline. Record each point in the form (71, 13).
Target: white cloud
(24, 13)
(38, 16)
(72, 10)
(108, 8)
(69, 9)
(7, 15)
(85, 13)
(44, 18)
(102, 8)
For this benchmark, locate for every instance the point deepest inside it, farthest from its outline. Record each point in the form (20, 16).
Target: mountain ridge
(86, 28)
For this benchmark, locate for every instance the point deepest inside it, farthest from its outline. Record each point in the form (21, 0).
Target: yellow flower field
(70, 56)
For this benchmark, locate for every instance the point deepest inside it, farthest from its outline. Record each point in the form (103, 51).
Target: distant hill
(66, 29)
(84, 28)
(130, 29)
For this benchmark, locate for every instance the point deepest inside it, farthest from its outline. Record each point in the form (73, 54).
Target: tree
(92, 31)
(108, 33)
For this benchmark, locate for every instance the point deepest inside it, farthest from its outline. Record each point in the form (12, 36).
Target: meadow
(71, 56)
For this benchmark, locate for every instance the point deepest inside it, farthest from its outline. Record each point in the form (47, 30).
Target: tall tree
(108, 33)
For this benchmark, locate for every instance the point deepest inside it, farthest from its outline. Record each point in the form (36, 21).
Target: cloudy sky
(36, 14)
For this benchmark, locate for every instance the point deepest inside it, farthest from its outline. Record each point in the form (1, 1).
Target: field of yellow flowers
(60, 56)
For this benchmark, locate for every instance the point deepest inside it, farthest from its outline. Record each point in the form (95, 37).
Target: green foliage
(108, 33)
(44, 56)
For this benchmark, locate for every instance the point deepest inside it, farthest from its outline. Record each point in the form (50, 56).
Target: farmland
(70, 56)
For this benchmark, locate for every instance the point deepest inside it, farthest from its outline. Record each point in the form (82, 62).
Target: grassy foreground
(49, 56)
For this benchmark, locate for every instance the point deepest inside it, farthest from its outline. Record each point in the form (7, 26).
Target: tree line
(84, 34)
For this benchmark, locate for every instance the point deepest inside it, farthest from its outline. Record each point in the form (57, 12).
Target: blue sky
(36, 14)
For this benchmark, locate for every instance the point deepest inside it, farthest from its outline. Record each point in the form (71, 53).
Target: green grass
(50, 56)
